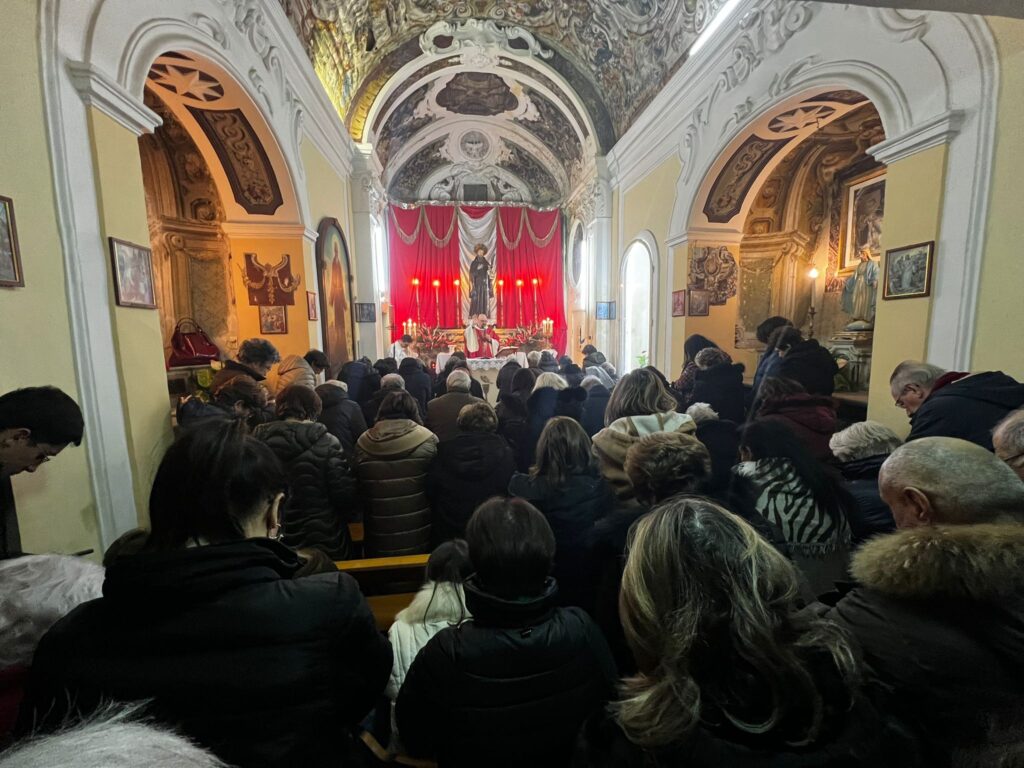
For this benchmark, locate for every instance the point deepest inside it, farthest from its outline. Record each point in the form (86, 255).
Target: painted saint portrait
(335, 276)
(908, 272)
(864, 216)
(133, 274)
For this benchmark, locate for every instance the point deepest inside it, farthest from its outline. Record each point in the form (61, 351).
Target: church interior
(489, 179)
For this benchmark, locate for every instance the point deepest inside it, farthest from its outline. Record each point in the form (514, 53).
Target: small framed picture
(606, 310)
(678, 303)
(10, 257)
(133, 274)
(273, 320)
(366, 312)
(311, 304)
(700, 302)
(908, 272)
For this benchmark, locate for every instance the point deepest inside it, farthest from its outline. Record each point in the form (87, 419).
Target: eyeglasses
(899, 397)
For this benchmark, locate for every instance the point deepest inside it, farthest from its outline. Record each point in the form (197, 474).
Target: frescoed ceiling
(550, 84)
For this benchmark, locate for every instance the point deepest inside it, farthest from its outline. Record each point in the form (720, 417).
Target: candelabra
(813, 274)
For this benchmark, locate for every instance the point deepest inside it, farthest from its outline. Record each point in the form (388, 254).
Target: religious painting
(678, 303)
(606, 310)
(366, 312)
(10, 257)
(311, 302)
(908, 272)
(700, 303)
(270, 284)
(133, 274)
(864, 213)
(335, 281)
(273, 320)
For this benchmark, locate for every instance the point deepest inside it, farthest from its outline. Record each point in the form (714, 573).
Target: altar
(485, 370)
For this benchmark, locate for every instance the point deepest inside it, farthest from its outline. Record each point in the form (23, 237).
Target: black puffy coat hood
(968, 408)
(322, 498)
(218, 636)
(993, 388)
(342, 416)
(810, 364)
(509, 688)
(863, 469)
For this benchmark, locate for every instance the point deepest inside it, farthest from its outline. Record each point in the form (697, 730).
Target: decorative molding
(267, 229)
(941, 129)
(480, 39)
(100, 91)
(900, 24)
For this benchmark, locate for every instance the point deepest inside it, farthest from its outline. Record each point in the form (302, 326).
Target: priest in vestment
(481, 341)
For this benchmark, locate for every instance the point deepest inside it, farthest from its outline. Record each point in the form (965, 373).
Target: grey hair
(340, 384)
(862, 440)
(113, 738)
(915, 372)
(548, 380)
(392, 381)
(258, 352)
(589, 382)
(964, 482)
(701, 412)
(37, 591)
(533, 358)
(458, 379)
(1008, 438)
(601, 375)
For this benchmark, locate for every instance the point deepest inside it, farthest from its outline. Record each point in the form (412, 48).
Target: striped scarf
(787, 502)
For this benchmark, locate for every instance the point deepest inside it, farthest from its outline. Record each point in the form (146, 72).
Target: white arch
(649, 243)
(97, 52)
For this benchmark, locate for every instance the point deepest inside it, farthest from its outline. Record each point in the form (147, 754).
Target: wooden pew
(389, 583)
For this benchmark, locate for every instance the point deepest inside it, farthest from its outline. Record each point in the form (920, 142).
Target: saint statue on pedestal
(859, 293)
(481, 284)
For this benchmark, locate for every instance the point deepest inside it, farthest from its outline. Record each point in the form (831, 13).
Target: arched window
(637, 298)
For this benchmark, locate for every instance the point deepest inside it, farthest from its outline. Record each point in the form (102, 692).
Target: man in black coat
(264, 668)
(939, 610)
(341, 415)
(950, 404)
(512, 686)
(417, 382)
(362, 379)
(469, 469)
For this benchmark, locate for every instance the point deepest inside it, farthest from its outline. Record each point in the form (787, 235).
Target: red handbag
(191, 347)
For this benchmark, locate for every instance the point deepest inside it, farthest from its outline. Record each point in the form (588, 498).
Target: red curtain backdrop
(528, 246)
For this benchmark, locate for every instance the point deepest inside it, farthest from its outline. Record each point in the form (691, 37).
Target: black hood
(473, 454)
(409, 365)
(863, 469)
(722, 371)
(290, 438)
(330, 395)
(993, 387)
(493, 611)
(196, 573)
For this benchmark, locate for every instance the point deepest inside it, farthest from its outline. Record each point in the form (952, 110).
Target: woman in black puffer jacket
(322, 499)
(512, 686)
(341, 415)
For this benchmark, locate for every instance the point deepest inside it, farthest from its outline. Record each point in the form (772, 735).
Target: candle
(416, 286)
(437, 302)
(519, 290)
(458, 299)
(813, 274)
(501, 302)
(535, 282)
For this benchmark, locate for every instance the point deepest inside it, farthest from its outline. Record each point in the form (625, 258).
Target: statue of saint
(481, 286)
(859, 293)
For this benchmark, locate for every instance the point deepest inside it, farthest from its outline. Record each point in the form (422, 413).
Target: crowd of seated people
(622, 572)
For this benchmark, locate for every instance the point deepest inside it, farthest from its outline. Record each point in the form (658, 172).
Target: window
(637, 298)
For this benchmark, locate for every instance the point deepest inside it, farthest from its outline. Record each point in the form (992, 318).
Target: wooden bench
(389, 583)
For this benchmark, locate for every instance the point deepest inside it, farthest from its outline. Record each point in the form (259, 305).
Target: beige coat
(612, 443)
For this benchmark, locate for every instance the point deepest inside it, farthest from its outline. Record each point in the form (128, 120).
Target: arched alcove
(637, 303)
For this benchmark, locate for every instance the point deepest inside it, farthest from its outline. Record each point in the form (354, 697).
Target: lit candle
(501, 302)
(519, 290)
(458, 299)
(535, 282)
(416, 287)
(813, 274)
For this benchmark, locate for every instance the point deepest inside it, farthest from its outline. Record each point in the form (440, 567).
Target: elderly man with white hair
(443, 411)
(939, 606)
(1008, 441)
(861, 449)
(950, 404)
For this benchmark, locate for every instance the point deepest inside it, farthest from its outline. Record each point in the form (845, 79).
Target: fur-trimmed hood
(977, 562)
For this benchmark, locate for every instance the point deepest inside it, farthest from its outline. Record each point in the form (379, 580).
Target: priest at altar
(481, 341)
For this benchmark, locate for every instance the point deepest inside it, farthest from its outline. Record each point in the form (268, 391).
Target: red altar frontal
(455, 268)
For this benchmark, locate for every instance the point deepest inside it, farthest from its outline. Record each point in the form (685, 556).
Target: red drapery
(528, 247)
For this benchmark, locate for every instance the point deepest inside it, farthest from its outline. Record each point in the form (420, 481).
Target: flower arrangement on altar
(429, 339)
(526, 339)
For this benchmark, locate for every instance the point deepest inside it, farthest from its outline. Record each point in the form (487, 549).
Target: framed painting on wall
(133, 274)
(908, 272)
(10, 258)
(366, 312)
(679, 303)
(334, 274)
(700, 302)
(605, 310)
(864, 213)
(273, 320)
(311, 313)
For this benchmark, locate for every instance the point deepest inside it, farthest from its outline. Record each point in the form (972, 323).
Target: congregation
(623, 571)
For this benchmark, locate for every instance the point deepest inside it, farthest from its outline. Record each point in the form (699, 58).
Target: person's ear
(15, 435)
(920, 505)
(274, 516)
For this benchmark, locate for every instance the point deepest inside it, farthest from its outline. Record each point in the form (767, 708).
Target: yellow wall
(122, 206)
(56, 509)
(998, 343)
(913, 211)
(720, 323)
(647, 205)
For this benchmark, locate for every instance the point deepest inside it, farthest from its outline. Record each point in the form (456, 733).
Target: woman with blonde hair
(732, 672)
(565, 486)
(640, 405)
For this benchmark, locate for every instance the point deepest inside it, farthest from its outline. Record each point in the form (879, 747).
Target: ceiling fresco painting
(558, 79)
